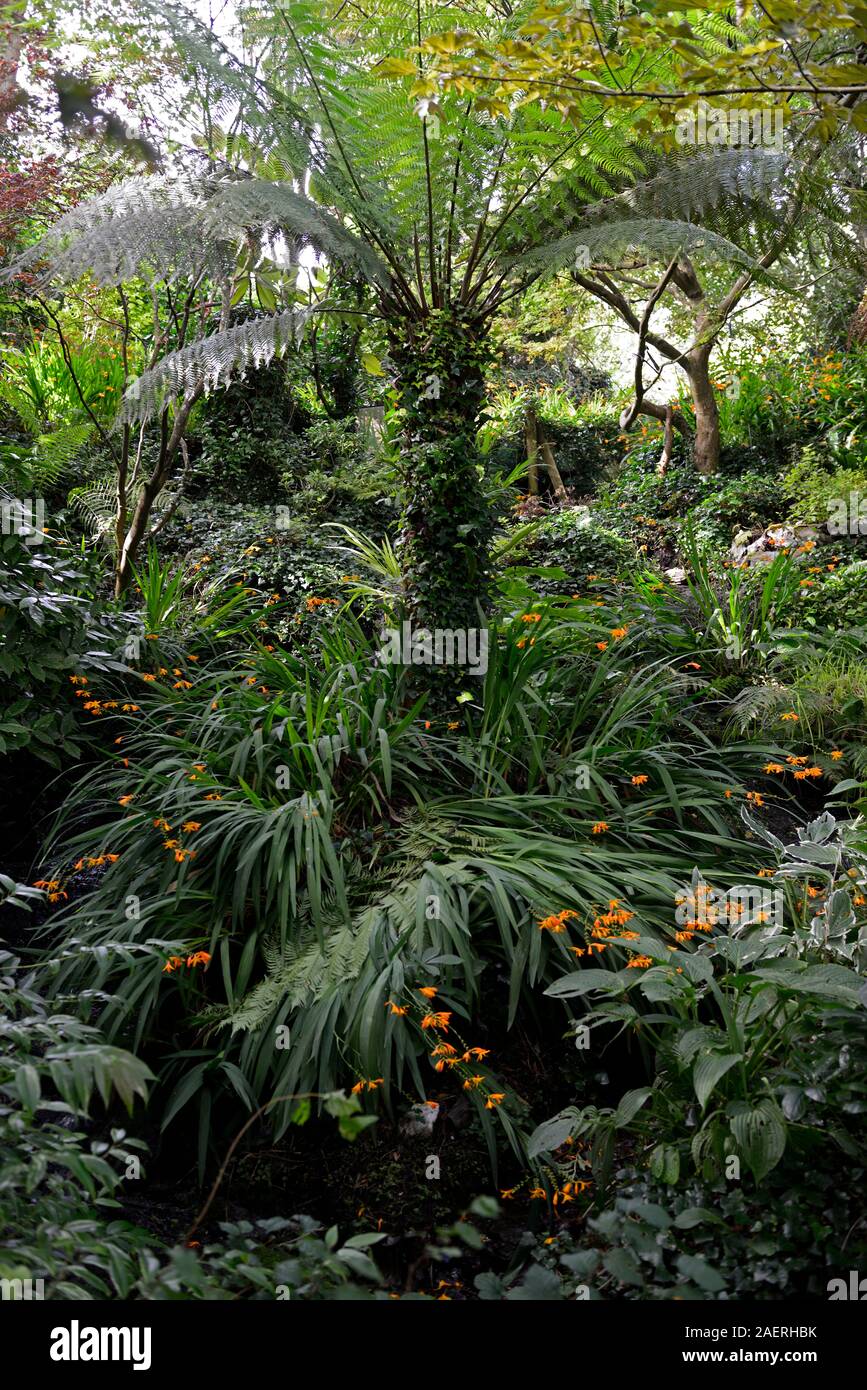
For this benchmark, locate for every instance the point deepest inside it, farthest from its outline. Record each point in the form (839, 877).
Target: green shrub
(51, 628)
(813, 483)
(58, 1188)
(837, 600)
(572, 540)
(703, 1241)
(241, 436)
(336, 470)
(747, 502)
(745, 1009)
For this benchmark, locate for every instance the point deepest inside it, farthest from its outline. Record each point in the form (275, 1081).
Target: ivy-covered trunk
(447, 525)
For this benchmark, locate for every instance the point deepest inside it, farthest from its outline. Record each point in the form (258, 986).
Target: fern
(213, 361)
(95, 503)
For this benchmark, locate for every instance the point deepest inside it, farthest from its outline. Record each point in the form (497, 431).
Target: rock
(768, 544)
(419, 1120)
(676, 575)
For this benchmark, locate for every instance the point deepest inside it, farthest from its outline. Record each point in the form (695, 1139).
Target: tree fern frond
(95, 504)
(211, 362)
(657, 237)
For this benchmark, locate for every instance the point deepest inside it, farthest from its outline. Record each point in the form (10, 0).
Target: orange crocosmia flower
(437, 1020)
(553, 923)
(472, 1083)
(161, 824)
(691, 666)
(478, 1052)
(182, 854)
(496, 1098)
(359, 1086)
(78, 680)
(148, 676)
(773, 767)
(638, 963)
(836, 755)
(756, 798)
(125, 800)
(199, 958)
(444, 1049)
(377, 1081)
(191, 825)
(507, 1192)
(796, 762)
(397, 1009)
(171, 844)
(640, 779)
(789, 717)
(600, 827)
(531, 617)
(429, 991)
(173, 963)
(602, 646)
(618, 632)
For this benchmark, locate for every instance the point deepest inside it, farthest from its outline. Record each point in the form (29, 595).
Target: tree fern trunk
(447, 526)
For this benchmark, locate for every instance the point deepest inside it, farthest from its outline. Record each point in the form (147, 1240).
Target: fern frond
(211, 362)
(95, 504)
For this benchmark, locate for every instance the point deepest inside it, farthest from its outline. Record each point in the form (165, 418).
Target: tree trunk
(531, 444)
(151, 488)
(550, 466)
(447, 524)
(706, 445)
(11, 46)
